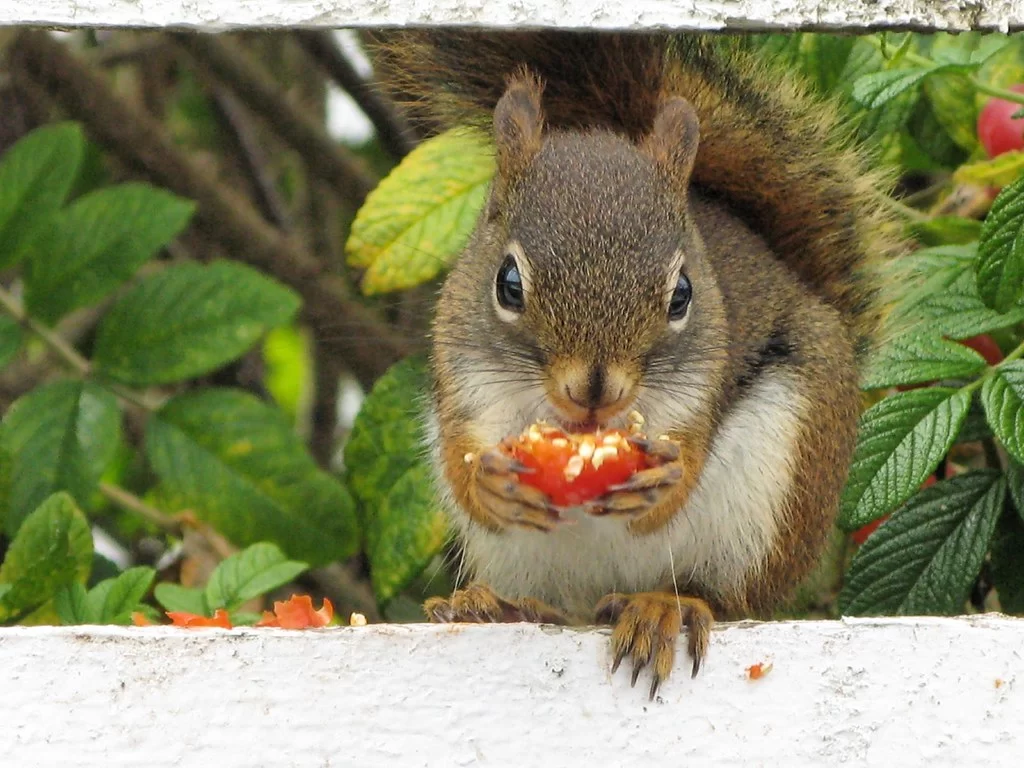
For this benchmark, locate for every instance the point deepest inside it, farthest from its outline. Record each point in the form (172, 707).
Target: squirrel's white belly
(717, 542)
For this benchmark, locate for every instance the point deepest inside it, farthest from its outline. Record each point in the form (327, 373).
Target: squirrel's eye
(509, 286)
(680, 301)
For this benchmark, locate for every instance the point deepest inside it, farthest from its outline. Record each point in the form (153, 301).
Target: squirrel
(674, 227)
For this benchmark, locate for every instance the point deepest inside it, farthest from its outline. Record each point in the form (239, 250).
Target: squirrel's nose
(600, 386)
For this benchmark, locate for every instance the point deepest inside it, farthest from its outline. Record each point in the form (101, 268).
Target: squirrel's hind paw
(479, 604)
(647, 625)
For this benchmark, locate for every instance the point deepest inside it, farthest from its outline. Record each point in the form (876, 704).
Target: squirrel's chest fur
(711, 548)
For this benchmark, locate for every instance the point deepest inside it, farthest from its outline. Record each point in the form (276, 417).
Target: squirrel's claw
(640, 493)
(509, 502)
(479, 604)
(646, 627)
(666, 450)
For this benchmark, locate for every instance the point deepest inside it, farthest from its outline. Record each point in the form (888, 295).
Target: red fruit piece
(575, 468)
(997, 131)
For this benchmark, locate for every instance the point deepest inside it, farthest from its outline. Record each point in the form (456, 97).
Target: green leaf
(419, 218)
(10, 339)
(917, 358)
(879, 88)
(174, 597)
(901, 441)
(387, 437)
(237, 463)
(187, 321)
(943, 230)
(1007, 563)
(113, 600)
(35, 177)
(53, 548)
(61, 437)
(97, 243)
(1000, 266)
(404, 532)
(387, 471)
(998, 171)
(1003, 398)
(924, 559)
(823, 58)
(248, 574)
(959, 313)
(72, 604)
(1015, 479)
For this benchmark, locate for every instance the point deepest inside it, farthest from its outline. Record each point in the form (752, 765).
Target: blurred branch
(393, 131)
(366, 343)
(252, 157)
(248, 79)
(132, 503)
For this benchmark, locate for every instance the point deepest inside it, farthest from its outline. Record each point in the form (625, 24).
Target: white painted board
(593, 14)
(906, 692)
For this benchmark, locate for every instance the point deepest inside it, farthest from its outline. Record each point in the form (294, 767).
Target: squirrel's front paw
(505, 501)
(648, 488)
(647, 625)
(479, 604)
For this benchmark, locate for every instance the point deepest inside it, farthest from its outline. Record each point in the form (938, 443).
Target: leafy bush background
(198, 283)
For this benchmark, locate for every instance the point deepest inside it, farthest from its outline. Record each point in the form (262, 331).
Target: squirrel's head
(583, 293)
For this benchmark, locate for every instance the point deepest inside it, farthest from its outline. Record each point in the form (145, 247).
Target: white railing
(595, 14)
(887, 692)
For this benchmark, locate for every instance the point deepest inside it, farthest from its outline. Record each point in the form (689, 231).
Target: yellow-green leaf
(419, 218)
(998, 172)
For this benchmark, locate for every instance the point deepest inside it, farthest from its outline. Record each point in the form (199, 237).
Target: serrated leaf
(1015, 480)
(1007, 563)
(1003, 398)
(901, 440)
(387, 436)
(35, 177)
(97, 243)
(72, 605)
(404, 532)
(61, 437)
(878, 88)
(959, 313)
(924, 559)
(238, 465)
(1000, 267)
(187, 321)
(113, 600)
(999, 171)
(10, 339)
(419, 218)
(918, 358)
(248, 574)
(174, 597)
(53, 548)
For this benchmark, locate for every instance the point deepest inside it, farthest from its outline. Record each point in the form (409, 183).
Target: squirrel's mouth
(580, 427)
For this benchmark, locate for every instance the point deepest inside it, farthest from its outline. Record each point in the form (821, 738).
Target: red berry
(985, 346)
(997, 132)
(572, 469)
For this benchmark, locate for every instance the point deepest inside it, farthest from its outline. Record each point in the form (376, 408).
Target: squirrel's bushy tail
(783, 158)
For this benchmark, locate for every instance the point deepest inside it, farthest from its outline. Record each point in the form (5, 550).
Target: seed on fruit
(573, 468)
(602, 454)
(560, 442)
(586, 449)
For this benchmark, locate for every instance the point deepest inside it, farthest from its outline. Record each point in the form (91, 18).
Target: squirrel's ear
(674, 139)
(518, 124)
